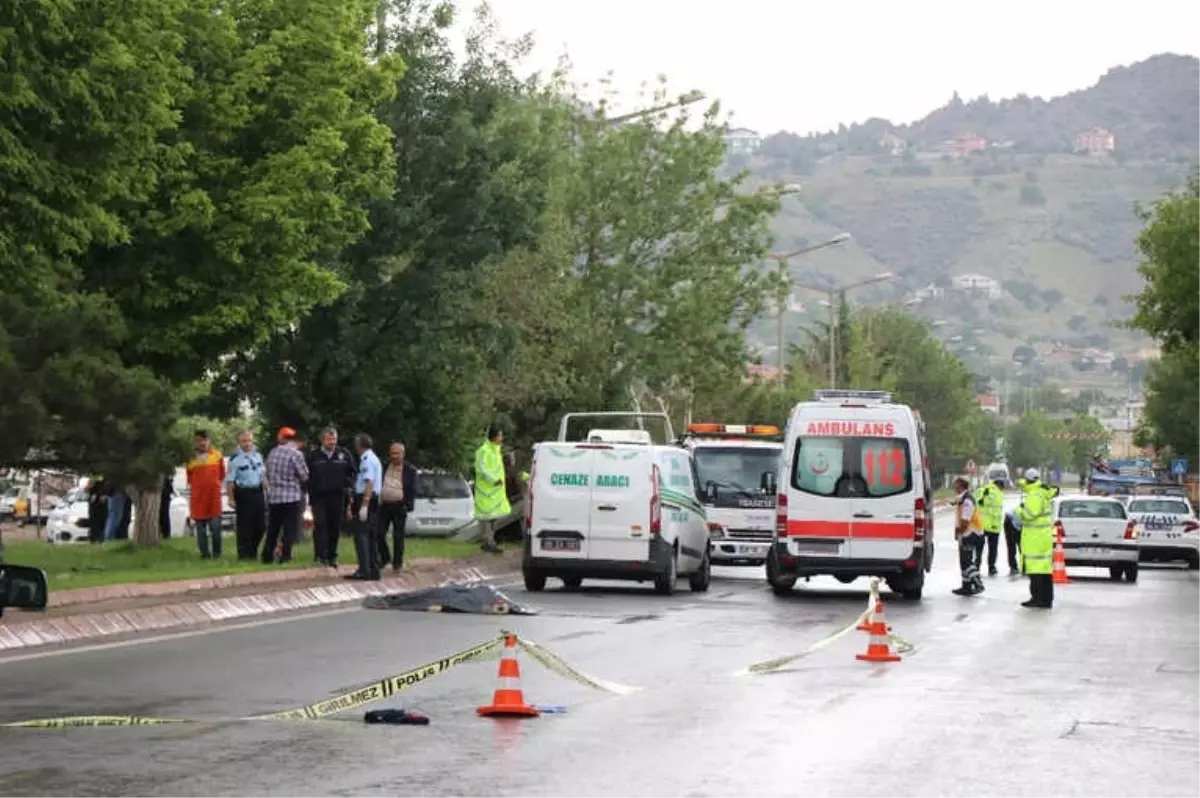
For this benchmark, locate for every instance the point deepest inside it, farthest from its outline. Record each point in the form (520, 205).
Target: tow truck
(732, 464)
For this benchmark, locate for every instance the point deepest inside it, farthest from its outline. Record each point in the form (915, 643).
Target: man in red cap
(286, 474)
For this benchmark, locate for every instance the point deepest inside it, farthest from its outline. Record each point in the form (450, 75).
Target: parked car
(68, 522)
(1167, 529)
(8, 504)
(444, 505)
(1097, 533)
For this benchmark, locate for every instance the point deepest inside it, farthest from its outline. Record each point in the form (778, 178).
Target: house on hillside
(988, 403)
(892, 144)
(757, 372)
(742, 141)
(978, 285)
(930, 291)
(1095, 142)
(970, 143)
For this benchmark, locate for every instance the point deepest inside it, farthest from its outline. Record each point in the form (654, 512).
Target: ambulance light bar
(733, 429)
(831, 395)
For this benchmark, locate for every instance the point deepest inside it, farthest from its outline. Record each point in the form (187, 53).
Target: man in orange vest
(968, 531)
(206, 478)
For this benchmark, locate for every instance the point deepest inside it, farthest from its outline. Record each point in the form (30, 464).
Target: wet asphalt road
(1098, 697)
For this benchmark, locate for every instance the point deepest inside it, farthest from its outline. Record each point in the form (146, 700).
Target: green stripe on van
(681, 501)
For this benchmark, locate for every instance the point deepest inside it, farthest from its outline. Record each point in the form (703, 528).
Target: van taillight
(529, 499)
(919, 519)
(655, 503)
(1188, 526)
(1130, 530)
(781, 515)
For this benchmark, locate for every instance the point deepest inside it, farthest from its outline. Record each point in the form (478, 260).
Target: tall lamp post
(684, 99)
(781, 259)
(831, 295)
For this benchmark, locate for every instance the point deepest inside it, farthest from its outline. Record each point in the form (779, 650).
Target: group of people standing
(1028, 534)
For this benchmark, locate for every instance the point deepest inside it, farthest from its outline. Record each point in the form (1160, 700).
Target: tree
(1032, 194)
(249, 154)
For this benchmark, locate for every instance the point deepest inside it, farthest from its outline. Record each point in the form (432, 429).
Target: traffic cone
(1059, 568)
(879, 648)
(508, 701)
(875, 610)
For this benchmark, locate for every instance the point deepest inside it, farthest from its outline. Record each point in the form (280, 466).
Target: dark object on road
(472, 597)
(395, 717)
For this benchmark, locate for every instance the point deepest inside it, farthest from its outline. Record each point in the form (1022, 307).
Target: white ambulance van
(855, 495)
(613, 503)
(737, 467)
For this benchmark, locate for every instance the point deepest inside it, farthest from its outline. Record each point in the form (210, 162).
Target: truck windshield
(852, 467)
(736, 472)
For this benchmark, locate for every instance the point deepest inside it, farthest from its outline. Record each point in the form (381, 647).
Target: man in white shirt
(968, 531)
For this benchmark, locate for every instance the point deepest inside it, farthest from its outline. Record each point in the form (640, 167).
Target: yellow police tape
(556, 664)
(359, 696)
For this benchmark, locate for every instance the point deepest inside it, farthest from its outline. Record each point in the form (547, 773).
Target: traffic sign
(1179, 468)
(970, 466)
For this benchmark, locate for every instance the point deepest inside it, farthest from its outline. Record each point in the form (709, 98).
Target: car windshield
(1164, 506)
(73, 495)
(442, 486)
(1084, 508)
(846, 467)
(735, 471)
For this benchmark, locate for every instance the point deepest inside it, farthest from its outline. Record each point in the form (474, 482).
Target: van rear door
(560, 512)
(619, 528)
(882, 524)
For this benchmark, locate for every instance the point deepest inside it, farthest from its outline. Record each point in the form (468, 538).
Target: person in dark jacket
(126, 517)
(331, 471)
(97, 510)
(397, 493)
(164, 507)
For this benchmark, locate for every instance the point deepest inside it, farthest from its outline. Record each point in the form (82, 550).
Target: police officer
(1037, 540)
(990, 499)
(330, 485)
(364, 511)
(244, 481)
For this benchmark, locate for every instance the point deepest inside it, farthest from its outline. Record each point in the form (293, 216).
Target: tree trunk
(147, 501)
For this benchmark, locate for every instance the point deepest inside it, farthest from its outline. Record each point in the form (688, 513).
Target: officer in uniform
(990, 499)
(331, 472)
(968, 531)
(244, 481)
(1037, 540)
(364, 511)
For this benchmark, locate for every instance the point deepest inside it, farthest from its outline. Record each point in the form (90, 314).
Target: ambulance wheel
(664, 583)
(912, 585)
(780, 585)
(1115, 571)
(534, 582)
(1194, 561)
(572, 582)
(700, 580)
(1131, 572)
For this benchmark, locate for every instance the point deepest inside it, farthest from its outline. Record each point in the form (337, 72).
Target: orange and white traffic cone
(874, 605)
(1059, 569)
(879, 648)
(508, 701)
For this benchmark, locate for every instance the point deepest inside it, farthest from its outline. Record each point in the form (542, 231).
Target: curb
(86, 626)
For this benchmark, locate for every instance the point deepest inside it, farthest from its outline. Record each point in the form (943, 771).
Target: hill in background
(1009, 223)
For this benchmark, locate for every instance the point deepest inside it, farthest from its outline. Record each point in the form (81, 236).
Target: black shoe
(993, 572)
(965, 590)
(1014, 572)
(397, 567)
(357, 576)
(978, 587)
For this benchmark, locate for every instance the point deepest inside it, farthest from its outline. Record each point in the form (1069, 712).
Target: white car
(444, 506)
(1097, 533)
(8, 503)
(1167, 529)
(68, 521)
(615, 505)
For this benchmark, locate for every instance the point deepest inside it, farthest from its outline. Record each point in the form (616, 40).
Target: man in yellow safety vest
(968, 531)
(1037, 540)
(990, 499)
(491, 498)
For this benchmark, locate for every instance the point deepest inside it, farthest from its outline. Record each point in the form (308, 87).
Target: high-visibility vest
(991, 505)
(976, 522)
(1037, 536)
(491, 498)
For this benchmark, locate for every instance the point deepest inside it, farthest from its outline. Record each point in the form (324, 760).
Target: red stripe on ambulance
(864, 530)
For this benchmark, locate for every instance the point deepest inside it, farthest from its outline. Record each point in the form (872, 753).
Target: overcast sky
(807, 65)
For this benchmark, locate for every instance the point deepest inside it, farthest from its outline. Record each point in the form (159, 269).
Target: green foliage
(1037, 440)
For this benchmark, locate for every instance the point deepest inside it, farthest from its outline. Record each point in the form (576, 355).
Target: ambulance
(855, 494)
(737, 467)
(614, 503)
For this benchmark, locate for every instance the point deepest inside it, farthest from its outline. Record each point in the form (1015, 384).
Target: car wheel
(534, 582)
(780, 585)
(664, 583)
(1115, 572)
(1131, 572)
(700, 580)
(1194, 561)
(572, 582)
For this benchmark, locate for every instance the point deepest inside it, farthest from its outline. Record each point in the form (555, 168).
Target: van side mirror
(23, 587)
(710, 492)
(768, 483)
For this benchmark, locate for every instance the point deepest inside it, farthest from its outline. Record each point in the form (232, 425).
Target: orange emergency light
(733, 429)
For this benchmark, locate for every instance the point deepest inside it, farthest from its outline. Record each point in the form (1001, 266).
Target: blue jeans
(204, 528)
(116, 508)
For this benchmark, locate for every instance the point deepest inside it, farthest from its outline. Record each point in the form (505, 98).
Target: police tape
(556, 664)
(775, 664)
(351, 699)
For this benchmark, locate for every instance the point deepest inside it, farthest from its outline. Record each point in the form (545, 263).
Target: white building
(742, 141)
(930, 291)
(978, 284)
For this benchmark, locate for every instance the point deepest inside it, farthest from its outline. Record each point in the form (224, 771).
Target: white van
(614, 505)
(737, 467)
(854, 496)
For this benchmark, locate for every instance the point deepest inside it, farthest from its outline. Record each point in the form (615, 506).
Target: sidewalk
(114, 611)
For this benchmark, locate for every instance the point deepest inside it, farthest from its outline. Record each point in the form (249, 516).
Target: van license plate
(818, 547)
(751, 549)
(560, 544)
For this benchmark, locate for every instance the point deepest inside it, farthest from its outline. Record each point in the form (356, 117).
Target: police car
(736, 466)
(1167, 529)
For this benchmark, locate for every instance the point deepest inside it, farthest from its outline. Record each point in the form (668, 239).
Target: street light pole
(833, 314)
(781, 259)
(684, 99)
